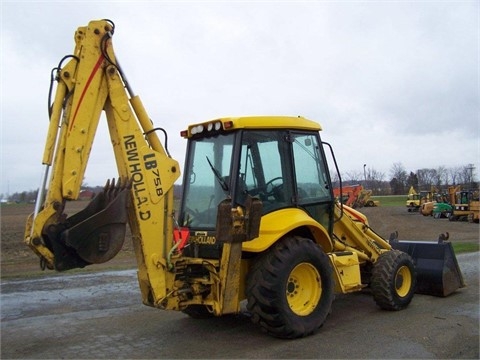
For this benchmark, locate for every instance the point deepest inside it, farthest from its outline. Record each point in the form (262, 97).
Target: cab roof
(294, 122)
(254, 122)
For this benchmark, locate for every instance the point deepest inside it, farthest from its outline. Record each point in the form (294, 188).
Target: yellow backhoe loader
(466, 206)
(257, 222)
(416, 200)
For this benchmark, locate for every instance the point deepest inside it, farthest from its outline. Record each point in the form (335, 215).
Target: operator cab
(283, 168)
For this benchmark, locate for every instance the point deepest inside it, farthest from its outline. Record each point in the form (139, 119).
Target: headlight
(197, 129)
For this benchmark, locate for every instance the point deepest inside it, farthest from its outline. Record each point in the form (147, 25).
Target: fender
(273, 226)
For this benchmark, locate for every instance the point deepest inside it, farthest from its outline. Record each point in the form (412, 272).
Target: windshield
(207, 180)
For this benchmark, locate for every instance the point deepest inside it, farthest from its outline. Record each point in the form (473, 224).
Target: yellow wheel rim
(403, 281)
(304, 289)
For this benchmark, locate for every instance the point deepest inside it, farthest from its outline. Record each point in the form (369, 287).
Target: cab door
(313, 191)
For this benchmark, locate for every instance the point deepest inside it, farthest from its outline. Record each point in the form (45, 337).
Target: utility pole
(471, 167)
(365, 175)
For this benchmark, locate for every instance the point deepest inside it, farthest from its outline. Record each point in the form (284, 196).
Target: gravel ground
(100, 316)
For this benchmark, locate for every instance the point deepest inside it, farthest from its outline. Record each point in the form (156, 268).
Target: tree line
(31, 196)
(398, 183)
(400, 180)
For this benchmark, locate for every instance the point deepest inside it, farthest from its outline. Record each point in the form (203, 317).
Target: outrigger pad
(438, 273)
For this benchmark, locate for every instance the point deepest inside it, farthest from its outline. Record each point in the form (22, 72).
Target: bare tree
(412, 180)
(398, 171)
(444, 175)
(467, 175)
(426, 178)
(353, 177)
(335, 179)
(454, 175)
(375, 182)
(399, 178)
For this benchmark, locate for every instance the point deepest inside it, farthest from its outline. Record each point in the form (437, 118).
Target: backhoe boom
(88, 85)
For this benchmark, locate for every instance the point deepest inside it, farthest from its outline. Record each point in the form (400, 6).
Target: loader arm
(352, 232)
(92, 83)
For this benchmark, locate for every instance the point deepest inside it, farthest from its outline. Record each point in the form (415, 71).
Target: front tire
(393, 280)
(290, 288)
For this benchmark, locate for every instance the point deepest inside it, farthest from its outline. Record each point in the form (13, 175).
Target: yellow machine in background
(466, 206)
(413, 200)
(416, 200)
(257, 222)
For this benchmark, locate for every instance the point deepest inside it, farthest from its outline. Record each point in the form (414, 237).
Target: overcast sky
(389, 81)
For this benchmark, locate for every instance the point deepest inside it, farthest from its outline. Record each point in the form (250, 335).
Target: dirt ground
(18, 260)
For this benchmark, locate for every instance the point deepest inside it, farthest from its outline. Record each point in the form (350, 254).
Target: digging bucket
(95, 234)
(438, 273)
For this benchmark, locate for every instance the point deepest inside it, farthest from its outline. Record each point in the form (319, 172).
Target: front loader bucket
(438, 273)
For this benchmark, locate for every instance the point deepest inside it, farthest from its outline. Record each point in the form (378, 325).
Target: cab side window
(310, 173)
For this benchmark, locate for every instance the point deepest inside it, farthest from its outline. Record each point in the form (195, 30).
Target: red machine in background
(355, 196)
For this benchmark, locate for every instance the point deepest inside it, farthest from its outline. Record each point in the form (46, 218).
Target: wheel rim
(304, 289)
(403, 281)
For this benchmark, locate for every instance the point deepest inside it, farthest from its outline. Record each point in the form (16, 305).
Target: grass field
(399, 200)
(391, 200)
(464, 247)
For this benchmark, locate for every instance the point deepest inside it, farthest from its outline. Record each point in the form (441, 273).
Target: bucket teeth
(113, 188)
(443, 237)
(393, 236)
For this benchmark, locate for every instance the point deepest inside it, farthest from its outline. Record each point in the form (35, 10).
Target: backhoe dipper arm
(92, 82)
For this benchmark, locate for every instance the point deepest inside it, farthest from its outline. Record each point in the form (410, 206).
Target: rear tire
(393, 280)
(290, 288)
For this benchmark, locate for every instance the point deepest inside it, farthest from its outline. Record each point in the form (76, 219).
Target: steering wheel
(274, 190)
(192, 215)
